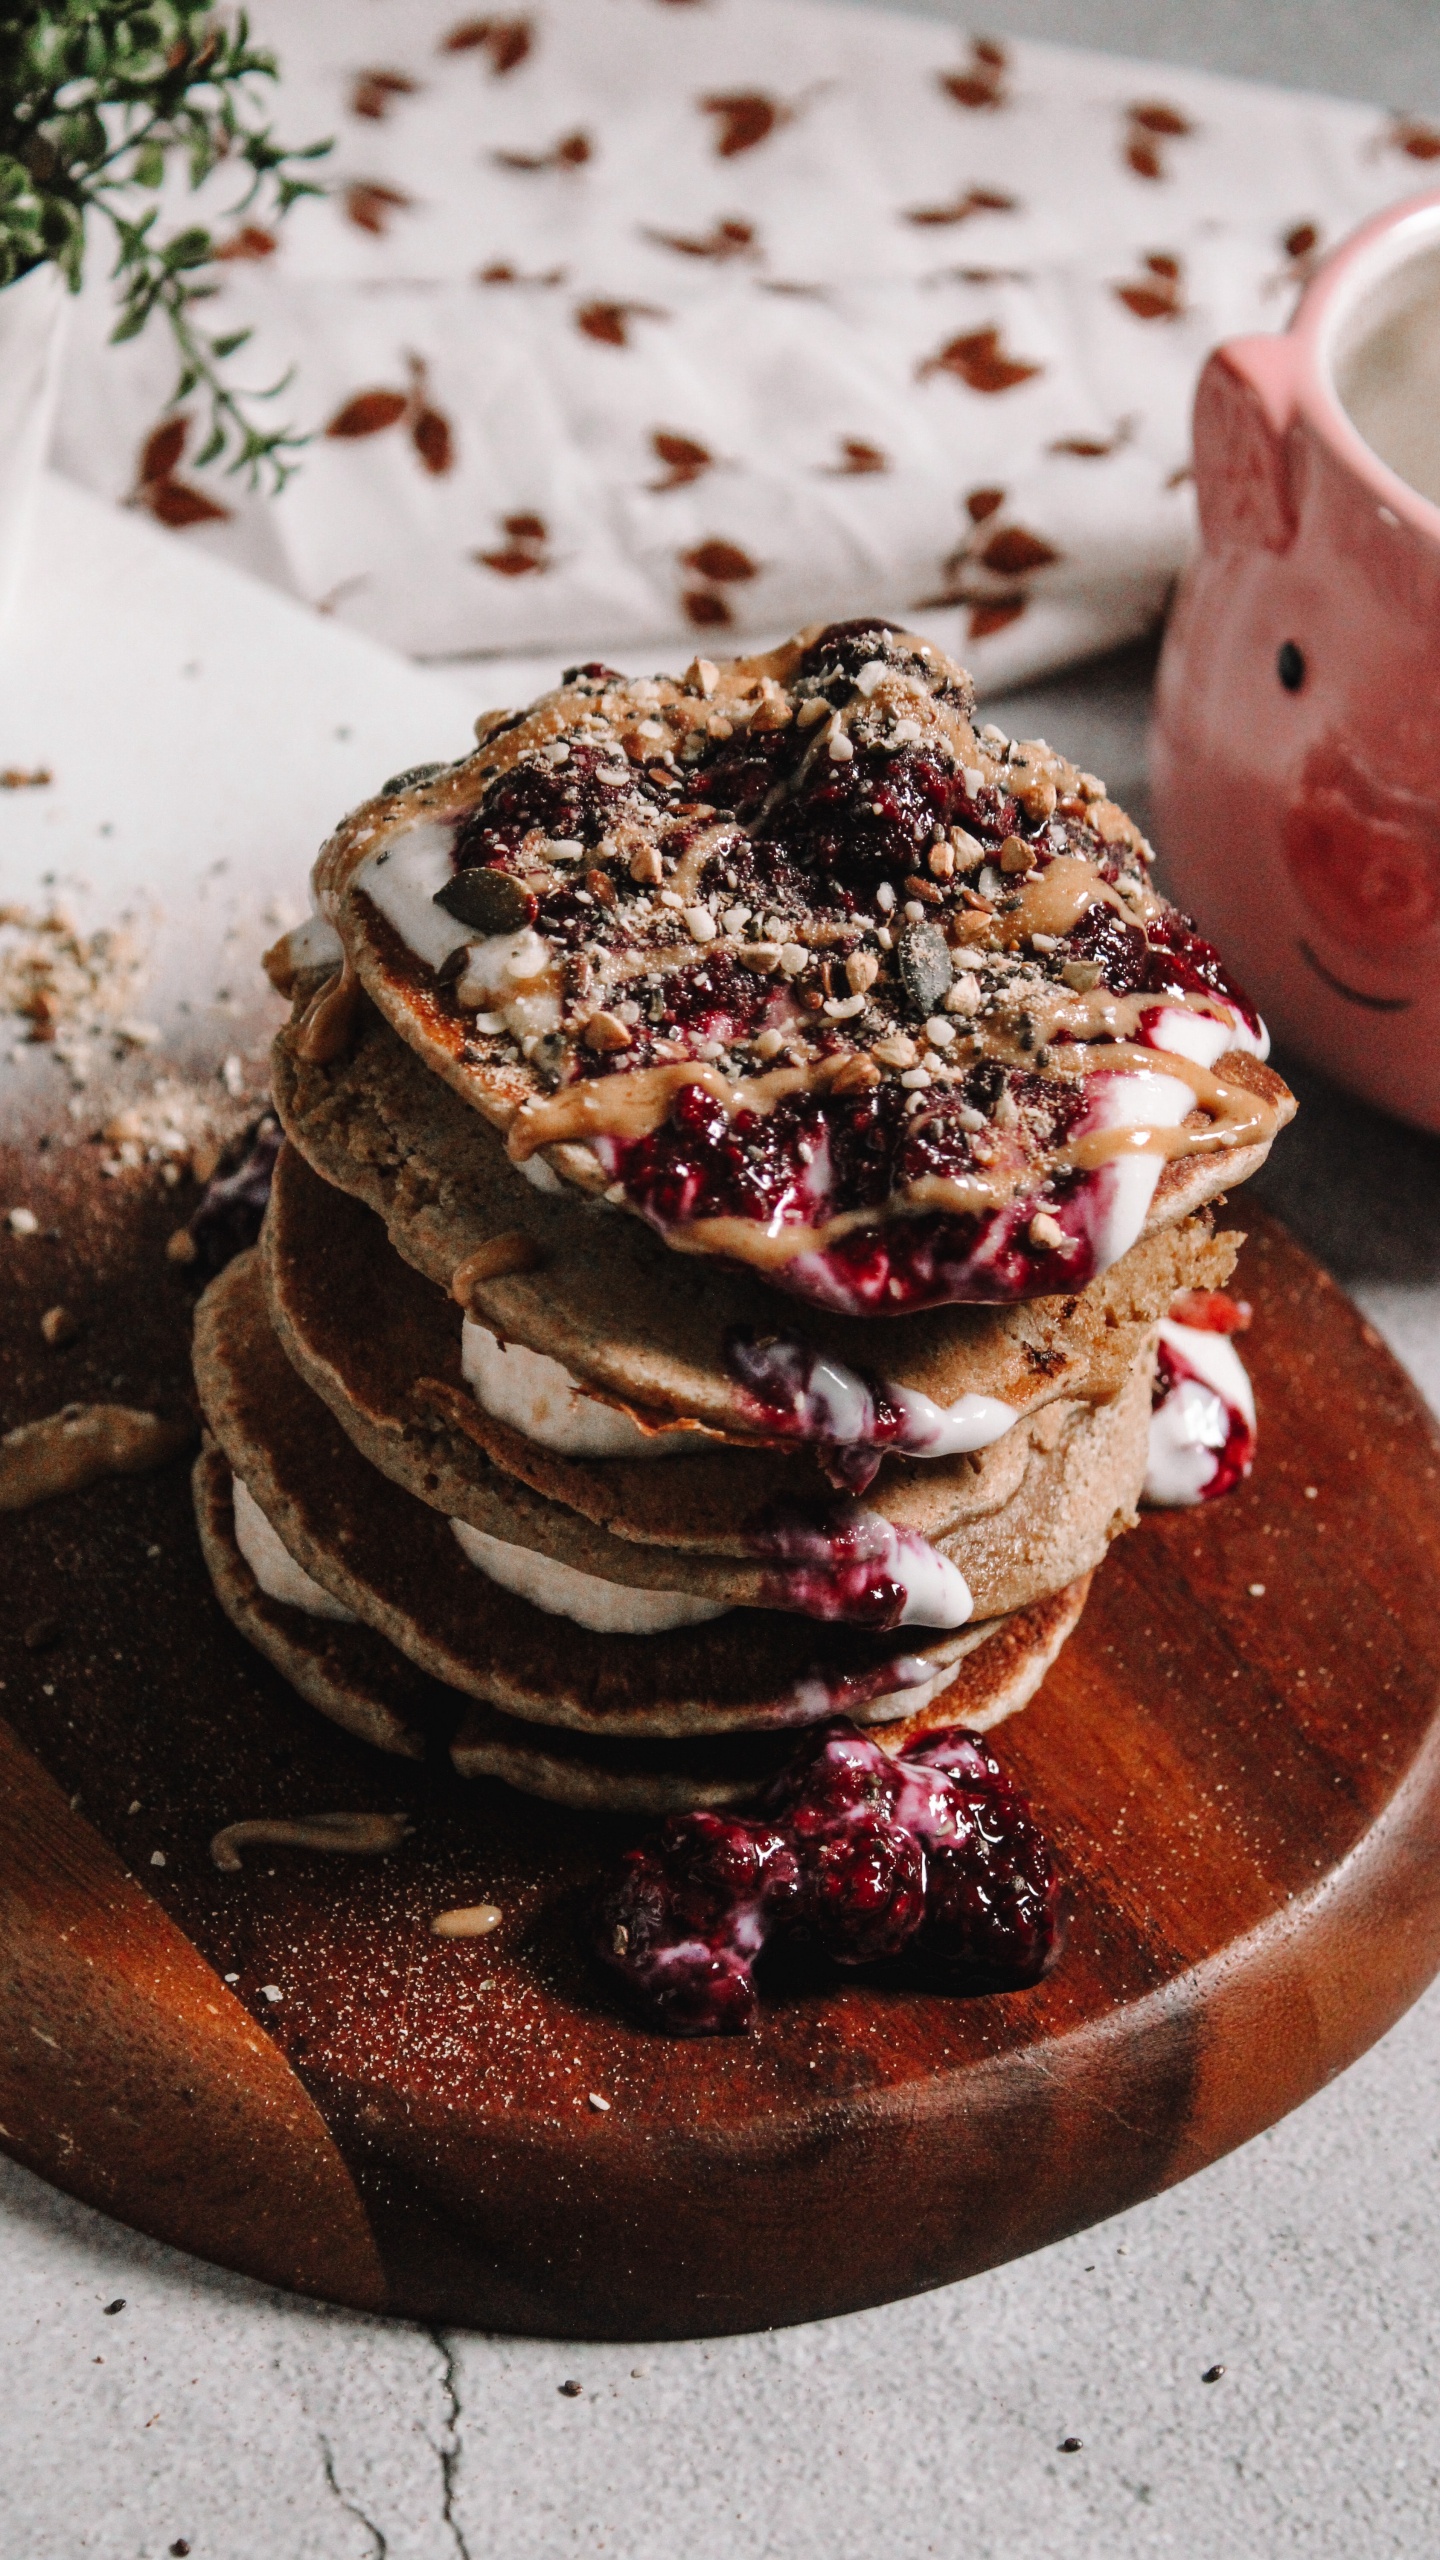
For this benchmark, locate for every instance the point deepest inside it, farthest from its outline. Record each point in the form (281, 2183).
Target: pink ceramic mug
(1296, 749)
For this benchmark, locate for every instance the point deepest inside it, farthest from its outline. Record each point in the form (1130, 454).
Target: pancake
(647, 1329)
(786, 960)
(395, 1563)
(355, 1678)
(361, 1330)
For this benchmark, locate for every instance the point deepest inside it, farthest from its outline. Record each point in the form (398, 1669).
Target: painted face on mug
(1364, 854)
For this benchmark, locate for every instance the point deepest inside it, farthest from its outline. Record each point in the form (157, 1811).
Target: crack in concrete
(379, 2547)
(450, 2450)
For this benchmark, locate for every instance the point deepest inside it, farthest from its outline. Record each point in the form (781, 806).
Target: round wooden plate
(1236, 1757)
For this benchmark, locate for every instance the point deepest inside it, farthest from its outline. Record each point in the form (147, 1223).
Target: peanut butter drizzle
(497, 1260)
(327, 1025)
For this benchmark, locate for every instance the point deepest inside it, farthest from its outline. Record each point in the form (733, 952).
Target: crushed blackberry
(933, 1860)
(232, 1210)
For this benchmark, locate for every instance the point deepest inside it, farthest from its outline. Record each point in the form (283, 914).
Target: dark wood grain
(1245, 1789)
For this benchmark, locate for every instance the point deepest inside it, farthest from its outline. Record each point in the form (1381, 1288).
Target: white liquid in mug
(1387, 372)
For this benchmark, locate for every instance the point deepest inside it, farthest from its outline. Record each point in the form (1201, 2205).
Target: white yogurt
(274, 1567)
(1191, 1425)
(403, 878)
(609, 1608)
(538, 1396)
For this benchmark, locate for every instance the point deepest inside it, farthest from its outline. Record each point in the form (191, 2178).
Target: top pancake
(807, 974)
(645, 1329)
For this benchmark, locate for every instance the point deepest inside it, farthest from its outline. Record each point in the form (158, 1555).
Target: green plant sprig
(99, 99)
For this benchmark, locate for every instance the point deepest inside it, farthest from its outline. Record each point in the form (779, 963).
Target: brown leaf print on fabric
(724, 562)
(371, 413)
(505, 42)
(251, 241)
(1157, 294)
(981, 84)
(728, 239)
(994, 615)
(500, 271)
(743, 119)
(572, 151)
(1004, 553)
(1412, 135)
(374, 93)
(934, 217)
(526, 552)
(684, 460)
(1302, 251)
(714, 565)
(858, 458)
(978, 360)
(1096, 448)
(706, 608)
(609, 323)
(1148, 127)
(368, 414)
(1014, 553)
(370, 206)
(172, 502)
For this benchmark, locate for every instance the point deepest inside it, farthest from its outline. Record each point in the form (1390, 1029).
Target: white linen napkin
(632, 324)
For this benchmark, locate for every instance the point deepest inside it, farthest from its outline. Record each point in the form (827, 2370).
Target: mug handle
(1244, 410)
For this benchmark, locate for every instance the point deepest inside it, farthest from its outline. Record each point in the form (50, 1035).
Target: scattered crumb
(17, 777)
(59, 1326)
(158, 1858)
(600, 2105)
(271, 1991)
(1257, 1590)
(22, 1222)
(571, 2390)
(181, 1247)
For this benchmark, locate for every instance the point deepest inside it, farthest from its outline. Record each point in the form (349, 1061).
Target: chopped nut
(702, 676)
(964, 994)
(58, 1326)
(700, 924)
(873, 673)
(923, 892)
(719, 727)
(844, 1008)
(941, 860)
(898, 1050)
(862, 969)
(793, 958)
(601, 888)
(810, 712)
(916, 1079)
(760, 956)
(839, 748)
(475, 1920)
(605, 1033)
(1047, 1232)
(1017, 855)
(885, 898)
(769, 1044)
(646, 867)
(1082, 975)
(735, 919)
(856, 1075)
(939, 1032)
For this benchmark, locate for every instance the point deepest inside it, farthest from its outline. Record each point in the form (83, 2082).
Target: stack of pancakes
(507, 1451)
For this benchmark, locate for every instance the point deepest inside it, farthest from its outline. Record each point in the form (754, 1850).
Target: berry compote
(933, 1861)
